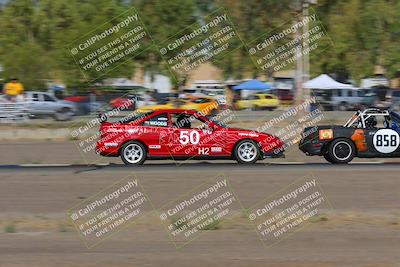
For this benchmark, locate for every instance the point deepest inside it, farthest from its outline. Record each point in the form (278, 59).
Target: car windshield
(217, 122)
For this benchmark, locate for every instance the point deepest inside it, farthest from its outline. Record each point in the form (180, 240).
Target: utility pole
(306, 56)
(303, 57)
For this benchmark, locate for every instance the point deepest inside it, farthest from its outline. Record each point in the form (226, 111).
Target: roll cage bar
(362, 116)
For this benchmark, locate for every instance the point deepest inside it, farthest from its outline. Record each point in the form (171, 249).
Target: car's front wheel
(63, 114)
(341, 151)
(246, 152)
(133, 153)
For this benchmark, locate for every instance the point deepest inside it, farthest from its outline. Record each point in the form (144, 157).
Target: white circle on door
(386, 141)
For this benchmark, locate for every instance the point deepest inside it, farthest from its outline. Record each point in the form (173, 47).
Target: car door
(193, 136)
(35, 104)
(154, 132)
(50, 104)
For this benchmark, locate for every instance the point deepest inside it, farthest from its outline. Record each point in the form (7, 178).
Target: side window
(201, 100)
(48, 98)
(339, 92)
(35, 97)
(185, 121)
(268, 97)
(349, 93)
(157, 121)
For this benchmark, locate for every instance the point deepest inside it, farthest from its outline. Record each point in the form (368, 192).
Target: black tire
(133, 153)
(252, 155)
(341, 151)
(63, 114)
(327, 158)
(343, 106)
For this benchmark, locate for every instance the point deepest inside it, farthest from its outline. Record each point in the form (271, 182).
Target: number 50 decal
(193, 137)
(386, 141)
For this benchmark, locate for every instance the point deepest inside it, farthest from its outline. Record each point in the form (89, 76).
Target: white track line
(368, 162)
(46, 165)
(286, 163)
(271, 163)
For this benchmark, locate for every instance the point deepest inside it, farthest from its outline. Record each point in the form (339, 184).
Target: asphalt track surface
(361, 229)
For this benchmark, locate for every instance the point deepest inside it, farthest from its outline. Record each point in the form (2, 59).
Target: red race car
(183, 134)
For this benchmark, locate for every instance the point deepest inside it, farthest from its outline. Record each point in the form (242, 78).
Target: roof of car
(197, 97)
(180, 110)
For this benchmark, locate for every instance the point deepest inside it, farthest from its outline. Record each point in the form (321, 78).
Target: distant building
(159, 82)
(205, 72)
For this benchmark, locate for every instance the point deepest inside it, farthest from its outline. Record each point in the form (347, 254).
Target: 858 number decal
(386, 141)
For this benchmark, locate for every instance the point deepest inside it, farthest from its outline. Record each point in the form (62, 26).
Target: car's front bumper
(272, 155)
(311, 147)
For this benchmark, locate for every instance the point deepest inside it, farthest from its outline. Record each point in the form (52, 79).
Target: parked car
(45, 104)
(183, 134)
(128, 102)
(84, 105)
(285, 96)
(394, 98)
(206, 105)
(344, 99)
(258, 102)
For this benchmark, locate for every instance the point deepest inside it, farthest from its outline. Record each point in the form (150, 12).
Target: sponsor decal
(156, 123)
(326, 134)
(110, 144)
(249, 134)
(216, 149)
(114, 130)
(154, 146)
(133, 130)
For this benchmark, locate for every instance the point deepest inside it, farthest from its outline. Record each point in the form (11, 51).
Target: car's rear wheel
(246, 152)
(341, 151)
(133, 153)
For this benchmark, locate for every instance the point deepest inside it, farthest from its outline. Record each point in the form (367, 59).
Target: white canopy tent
(324, 81)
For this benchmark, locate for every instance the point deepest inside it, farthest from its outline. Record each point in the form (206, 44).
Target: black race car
(372, 133)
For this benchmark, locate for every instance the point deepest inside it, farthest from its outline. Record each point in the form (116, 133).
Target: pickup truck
(45, 104)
